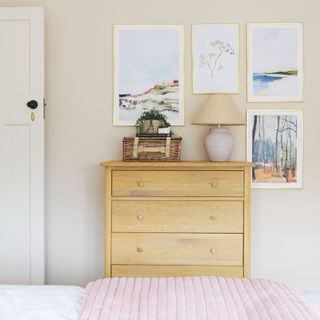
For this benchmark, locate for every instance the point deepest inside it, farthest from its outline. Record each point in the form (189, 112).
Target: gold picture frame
(177, 107)
(278, 166)
(275, 69)
(203, 40)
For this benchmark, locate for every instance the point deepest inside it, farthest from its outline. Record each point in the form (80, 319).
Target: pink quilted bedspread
(193, 298)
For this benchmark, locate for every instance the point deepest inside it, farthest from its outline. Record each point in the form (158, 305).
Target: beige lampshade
(219, 109)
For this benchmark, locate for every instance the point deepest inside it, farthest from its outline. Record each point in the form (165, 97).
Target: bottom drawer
(175, 271)
(177, 249)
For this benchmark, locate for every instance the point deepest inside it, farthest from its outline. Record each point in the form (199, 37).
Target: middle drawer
(177, 216)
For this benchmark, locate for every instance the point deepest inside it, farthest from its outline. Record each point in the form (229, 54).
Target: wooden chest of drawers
(177, 219)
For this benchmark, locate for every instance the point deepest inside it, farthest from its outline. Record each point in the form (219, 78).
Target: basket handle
(168, 142)
(137, 149)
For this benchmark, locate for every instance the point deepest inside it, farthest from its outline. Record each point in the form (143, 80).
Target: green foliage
(151, 115)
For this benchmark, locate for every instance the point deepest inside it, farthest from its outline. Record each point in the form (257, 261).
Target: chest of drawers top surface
(181, 165)
(177, 219)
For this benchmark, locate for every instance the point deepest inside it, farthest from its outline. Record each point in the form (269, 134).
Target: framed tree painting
(215, 58)
(148, 72)
(275, 146)
(274, 62)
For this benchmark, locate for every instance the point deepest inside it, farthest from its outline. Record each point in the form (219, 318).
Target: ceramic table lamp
(219, 111)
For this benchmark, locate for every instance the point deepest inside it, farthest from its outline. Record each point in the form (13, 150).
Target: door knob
(32, 104)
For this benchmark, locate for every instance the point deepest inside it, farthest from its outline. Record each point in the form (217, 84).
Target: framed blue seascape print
(148, 72)
(274, 62)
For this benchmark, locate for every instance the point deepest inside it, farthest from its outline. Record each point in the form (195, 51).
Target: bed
(40, 302)
(64, 302)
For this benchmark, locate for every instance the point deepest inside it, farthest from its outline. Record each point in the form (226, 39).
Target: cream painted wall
(79, 132)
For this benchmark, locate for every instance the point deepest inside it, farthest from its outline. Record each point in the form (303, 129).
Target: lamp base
(219, 144)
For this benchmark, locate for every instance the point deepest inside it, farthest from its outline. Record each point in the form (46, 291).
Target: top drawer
(162, 183)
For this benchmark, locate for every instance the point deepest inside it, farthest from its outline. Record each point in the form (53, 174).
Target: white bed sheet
(40, 302)
(313, 296)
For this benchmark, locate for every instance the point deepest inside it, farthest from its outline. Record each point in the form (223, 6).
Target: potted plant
(150, 121)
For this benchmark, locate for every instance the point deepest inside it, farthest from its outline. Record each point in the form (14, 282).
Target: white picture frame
(148, 72)
(274, 62)
(275, 146)
(215, 58)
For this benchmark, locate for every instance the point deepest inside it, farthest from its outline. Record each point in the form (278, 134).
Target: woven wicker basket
(151, 148)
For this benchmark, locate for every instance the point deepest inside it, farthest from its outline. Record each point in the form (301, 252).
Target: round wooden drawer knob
(213, 250)
(213, 218)
(140, 184)
(214, 184)
(140, 217)
(139, 250)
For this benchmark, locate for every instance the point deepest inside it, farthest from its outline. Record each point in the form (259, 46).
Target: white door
(21, 146)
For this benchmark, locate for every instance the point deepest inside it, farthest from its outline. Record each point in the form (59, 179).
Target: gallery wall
(80, 133)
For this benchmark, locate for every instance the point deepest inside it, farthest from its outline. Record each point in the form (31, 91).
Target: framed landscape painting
(274, 62)
(215, 58)
(148, 72)
(275, 146)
